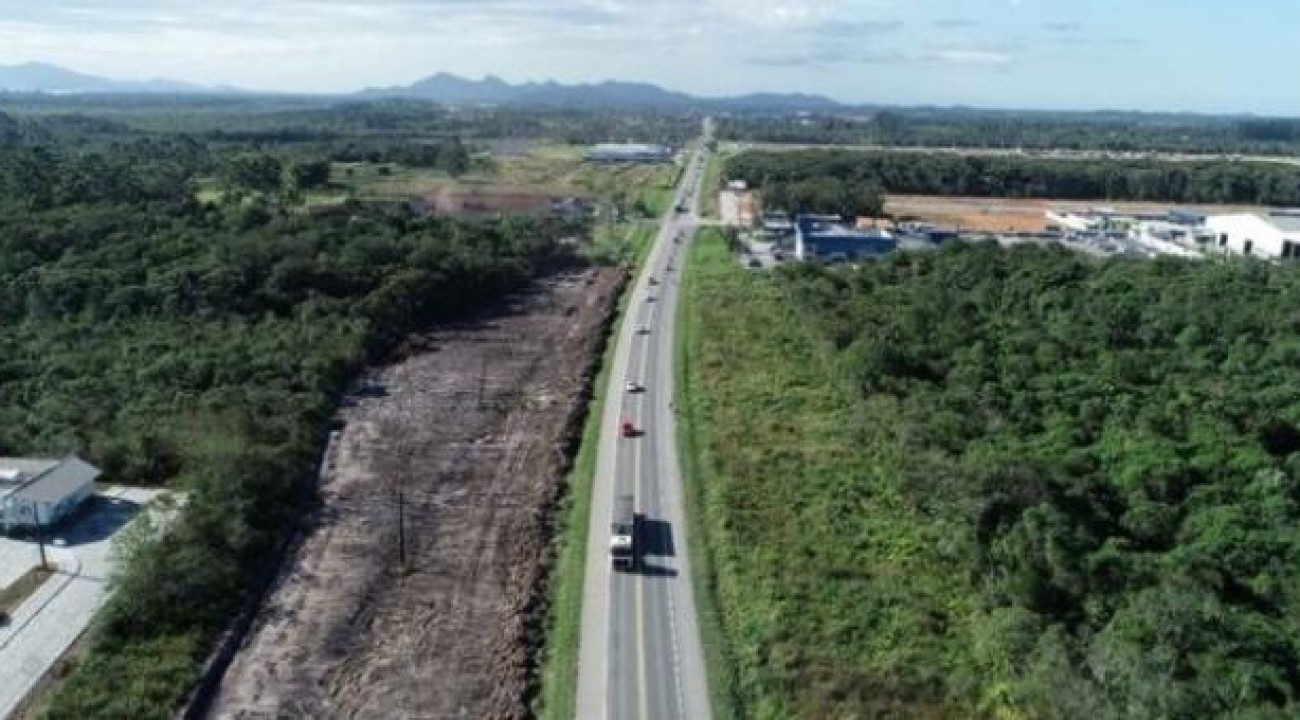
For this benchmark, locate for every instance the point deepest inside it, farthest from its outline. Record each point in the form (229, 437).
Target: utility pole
(401, 530)
(40, 541)
(482, 381)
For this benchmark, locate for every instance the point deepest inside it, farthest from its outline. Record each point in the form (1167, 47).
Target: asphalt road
(640, 655)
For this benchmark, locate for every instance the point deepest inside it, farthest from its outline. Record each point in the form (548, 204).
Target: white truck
(623, 547)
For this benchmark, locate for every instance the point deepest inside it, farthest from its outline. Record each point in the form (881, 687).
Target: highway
(640, 656)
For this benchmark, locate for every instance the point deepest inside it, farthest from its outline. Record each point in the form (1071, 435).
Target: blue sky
(1193, 55)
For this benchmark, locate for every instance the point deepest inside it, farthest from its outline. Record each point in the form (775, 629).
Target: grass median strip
(24, 587)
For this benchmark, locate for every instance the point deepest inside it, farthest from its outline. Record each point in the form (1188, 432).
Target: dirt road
(471, 430)
(978, 214)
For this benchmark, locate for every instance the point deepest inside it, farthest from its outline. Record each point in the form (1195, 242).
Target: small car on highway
(629, 430)
(634, 386)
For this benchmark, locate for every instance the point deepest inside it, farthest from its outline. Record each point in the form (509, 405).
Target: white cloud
(970, 57)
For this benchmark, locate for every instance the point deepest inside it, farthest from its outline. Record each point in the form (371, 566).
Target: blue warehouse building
(827, 238)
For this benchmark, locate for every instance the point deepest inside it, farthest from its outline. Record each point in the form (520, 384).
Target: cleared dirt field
(1010, 215)
(474, 429)
(473, 201)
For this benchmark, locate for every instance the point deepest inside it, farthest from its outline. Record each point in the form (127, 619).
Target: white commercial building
(631, 153)
(1170, 238)
(1274, 236)
(1076, 221)
(37, 494)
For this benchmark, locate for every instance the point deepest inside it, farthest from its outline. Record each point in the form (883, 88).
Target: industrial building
(1272, 236)
(1175, 232)
(629, 153)
(777, 226)
(38, 494)
(828, 238)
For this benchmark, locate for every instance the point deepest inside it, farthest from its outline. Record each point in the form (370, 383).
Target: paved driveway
(43, 627)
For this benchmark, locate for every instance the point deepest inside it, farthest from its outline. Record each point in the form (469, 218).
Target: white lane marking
(671, 423)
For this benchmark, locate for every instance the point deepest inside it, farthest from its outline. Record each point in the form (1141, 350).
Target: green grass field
(711, 183)
(385, 181)
(767, 454)
(547, 169)
(706, 264)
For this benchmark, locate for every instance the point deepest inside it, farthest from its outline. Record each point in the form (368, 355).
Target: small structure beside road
(737, 208)
(36, 494)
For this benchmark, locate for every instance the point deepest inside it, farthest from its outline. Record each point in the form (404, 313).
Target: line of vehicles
(625, 526)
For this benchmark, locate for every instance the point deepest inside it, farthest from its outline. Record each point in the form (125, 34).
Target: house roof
(15, 471)
(50, 480)
(1285, 222)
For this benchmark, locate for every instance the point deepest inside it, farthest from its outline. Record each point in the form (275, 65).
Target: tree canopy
(201, 347)
(1006, 483)
(868, 172)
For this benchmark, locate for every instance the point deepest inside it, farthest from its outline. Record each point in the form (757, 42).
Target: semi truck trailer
(623, 546)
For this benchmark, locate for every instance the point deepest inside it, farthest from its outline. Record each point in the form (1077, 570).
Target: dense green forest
(280, 120)
(983, 483)
(818, 179)
(990, 129)
(259, 137)
(202, 347)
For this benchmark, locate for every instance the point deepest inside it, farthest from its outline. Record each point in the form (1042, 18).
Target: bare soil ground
(489, 200)
(474, 428)
(976, 214)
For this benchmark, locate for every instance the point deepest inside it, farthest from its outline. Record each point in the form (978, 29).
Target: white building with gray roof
(1272, 236)
(38, 493)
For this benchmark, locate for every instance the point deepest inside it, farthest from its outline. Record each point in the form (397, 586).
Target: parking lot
(760, 255)
(47, 622)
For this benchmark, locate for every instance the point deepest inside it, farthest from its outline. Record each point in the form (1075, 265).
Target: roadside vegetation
(708, 266)
(1000, 484)
(712, 183)
(851, 182)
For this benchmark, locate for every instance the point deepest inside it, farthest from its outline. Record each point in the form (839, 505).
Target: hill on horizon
(444, 88)
(492, 90)
(48, 78)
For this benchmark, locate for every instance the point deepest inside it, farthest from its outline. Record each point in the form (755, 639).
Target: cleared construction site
(417, 587)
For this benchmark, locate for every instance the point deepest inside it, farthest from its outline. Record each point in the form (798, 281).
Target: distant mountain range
(453, 90)
(43, 77)
(441, 88)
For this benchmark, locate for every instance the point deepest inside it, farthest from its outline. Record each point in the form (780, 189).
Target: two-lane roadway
(640, 655)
